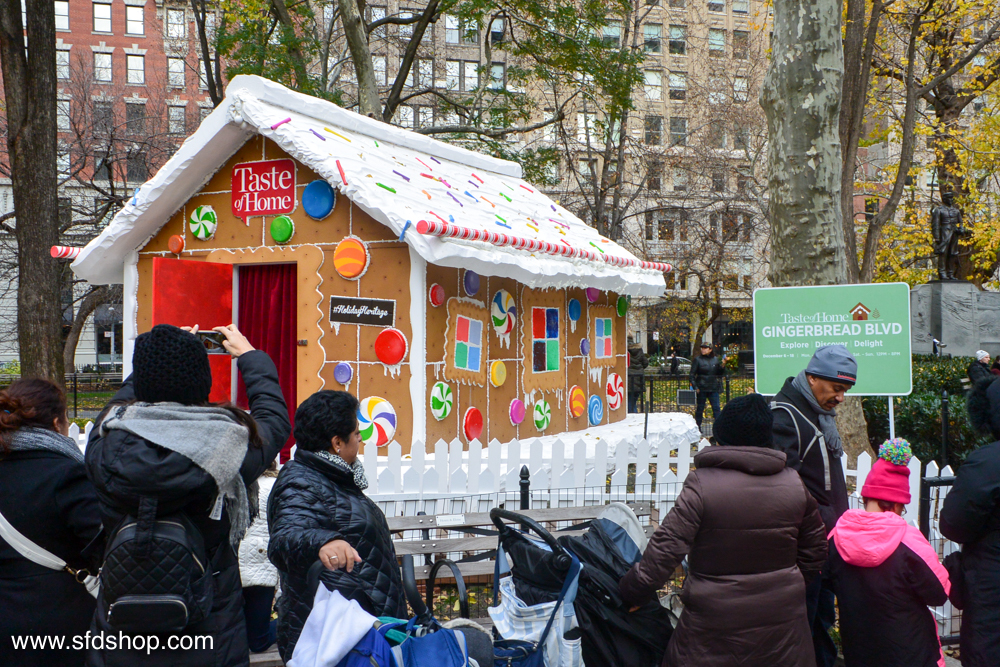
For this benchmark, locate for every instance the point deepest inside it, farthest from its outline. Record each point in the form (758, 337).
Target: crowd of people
(180, 507)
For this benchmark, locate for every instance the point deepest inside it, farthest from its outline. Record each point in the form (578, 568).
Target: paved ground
(951, 662)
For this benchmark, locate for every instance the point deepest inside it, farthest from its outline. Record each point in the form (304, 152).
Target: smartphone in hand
(212, 340)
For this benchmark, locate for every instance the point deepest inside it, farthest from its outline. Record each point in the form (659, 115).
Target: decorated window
(468, 344)
(545, 347)
(603, 338)
(465, 344)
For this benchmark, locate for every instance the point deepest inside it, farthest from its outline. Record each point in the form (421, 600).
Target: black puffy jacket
(971, 516)
(312, 503)
(125, 467)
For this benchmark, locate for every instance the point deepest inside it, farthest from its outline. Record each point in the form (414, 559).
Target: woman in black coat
(49, 500)
(971, 516)
(170, 367)
(318, 511)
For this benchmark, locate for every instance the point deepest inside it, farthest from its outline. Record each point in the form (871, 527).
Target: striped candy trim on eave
(431, 228)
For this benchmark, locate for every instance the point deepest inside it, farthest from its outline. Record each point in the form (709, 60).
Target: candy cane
(432, 228)
(64, 252)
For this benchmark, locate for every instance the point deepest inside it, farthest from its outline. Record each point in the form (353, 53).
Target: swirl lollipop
(442, 399)
(504, 316)
(577, 401)
(595, 410)
(377, 421)
(542, 414)
(615, 390)
(203, 222)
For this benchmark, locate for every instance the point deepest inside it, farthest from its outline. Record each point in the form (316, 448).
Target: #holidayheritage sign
(872, 321)
(353, 310)
(263, 188)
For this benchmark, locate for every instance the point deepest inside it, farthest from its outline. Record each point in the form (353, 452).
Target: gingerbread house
(453, 298)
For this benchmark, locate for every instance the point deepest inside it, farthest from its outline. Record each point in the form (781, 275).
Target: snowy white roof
(473, 211)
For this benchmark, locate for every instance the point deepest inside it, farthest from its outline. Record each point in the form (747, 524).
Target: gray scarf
(209, 437)
(32, 439)
(355, 468)
(827, 418)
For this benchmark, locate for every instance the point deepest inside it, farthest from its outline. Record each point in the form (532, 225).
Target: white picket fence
(570, 472)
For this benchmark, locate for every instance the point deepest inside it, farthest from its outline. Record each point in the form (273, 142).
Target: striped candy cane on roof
(432, 228)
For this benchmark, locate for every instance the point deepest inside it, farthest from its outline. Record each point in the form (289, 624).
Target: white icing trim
(418, 351)
(130, 318)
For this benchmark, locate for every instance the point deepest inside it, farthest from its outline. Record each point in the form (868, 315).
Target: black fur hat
(984, 406)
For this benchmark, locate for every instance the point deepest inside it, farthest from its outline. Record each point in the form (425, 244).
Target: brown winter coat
(753, 536)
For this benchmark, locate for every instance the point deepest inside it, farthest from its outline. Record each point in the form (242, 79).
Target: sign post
(871, 321)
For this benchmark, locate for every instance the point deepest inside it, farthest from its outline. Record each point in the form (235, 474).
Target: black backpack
(157, 577)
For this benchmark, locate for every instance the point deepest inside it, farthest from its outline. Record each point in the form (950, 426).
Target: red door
(186, 293)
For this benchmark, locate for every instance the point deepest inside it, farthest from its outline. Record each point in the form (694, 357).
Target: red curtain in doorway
(268, 318)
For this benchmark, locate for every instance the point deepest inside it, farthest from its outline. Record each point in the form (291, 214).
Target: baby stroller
(609, 635)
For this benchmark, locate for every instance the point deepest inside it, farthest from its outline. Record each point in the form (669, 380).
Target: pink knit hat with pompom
(889, 479)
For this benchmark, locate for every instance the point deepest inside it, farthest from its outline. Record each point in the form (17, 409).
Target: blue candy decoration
(318, 199)
(595, 410)
(575, 310)
(584, 347)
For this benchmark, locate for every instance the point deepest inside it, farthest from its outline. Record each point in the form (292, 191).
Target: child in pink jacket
(885, 573)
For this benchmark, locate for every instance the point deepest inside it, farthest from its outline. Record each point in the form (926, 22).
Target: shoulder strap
(29, 549)
(817, 437)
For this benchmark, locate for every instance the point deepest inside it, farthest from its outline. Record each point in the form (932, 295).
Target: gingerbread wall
(388, 277)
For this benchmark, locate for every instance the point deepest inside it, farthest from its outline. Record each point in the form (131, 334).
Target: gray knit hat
(834, 362)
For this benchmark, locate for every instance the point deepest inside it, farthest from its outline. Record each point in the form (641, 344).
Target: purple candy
(584, 347)
(471, 282)
(343, 372)
(593, 294)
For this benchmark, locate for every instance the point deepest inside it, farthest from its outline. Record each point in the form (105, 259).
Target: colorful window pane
(468, 344)
(602, 337)
(544, 339)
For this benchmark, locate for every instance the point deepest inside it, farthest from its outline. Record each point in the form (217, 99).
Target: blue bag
(372, 651)
(431, 646)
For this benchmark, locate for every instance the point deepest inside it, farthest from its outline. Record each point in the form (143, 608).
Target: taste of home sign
(263, 188)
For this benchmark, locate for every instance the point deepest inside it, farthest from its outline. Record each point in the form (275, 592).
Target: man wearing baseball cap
(805, 428)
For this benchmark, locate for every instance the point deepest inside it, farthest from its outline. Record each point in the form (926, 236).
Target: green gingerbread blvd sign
(872, 321)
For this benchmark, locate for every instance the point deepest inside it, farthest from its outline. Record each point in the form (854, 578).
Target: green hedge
(918, 416)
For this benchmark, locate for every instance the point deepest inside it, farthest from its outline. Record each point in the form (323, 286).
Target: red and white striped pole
(433, 228)
(64, 252)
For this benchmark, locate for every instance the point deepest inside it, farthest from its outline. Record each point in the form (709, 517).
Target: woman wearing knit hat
(160, 449)
(753, 536)
(886, 574)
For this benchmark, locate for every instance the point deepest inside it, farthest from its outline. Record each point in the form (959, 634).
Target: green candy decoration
(282, 229)
(622, 306)
(203, 223)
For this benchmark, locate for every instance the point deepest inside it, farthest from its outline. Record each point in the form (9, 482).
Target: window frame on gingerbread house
(546, 339)
(459, 319)
(473, 311)
(607, 337)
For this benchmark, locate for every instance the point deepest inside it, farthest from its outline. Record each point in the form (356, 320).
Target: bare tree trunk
(406, 62)
(87, 307)
(801, 97)
(298, 60)
(213, 80)
(853, 429)
(369, 103)
(29, 81)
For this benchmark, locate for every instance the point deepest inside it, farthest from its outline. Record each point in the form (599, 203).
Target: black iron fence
(86, 393)
(674, 393)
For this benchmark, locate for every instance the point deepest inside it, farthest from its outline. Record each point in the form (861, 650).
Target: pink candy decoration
(64, 252)
(516, 411)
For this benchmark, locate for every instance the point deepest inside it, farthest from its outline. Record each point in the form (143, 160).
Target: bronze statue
(947, 228)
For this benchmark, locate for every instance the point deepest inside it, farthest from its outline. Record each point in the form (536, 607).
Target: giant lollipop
(376, 421)
(504, 316)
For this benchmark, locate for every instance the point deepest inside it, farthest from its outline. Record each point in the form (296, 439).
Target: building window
(175, 72)
(716, 5)
(742, 181)
(202, 77)
(404, 116)
(586, 127)
(134, 21)
(460, 31)
(135, 118)
(716, 42)
(602, 337)
(378, 64)
(678, 40)
(497, 31)
(176, 120)
(741, 44)
(678, 131)
(203, 113)
(544, 339)
(673, 225)
(452, 74)
(452, 34)
(470, 76)
(135, 164)
(102, 166)
(176, 25)
(376, 14)
(652, 35)
(741, 89)
(871, 208)
(406, 29)
(497, 76)
(678, 4)
(718, 181)
(715, 135)
(650, 227)
(468, 344)
(102, 67)
(587, 171)
(421, 73)
(135, 67)
(653, 130)
(424, 117)
(678, 85)
(716, 90)
(655, 177)
(613, 34)
(653, 85)
(680, 180)
(102, 17)
(104, 118)
(62, 64)
(63, 123)
(62, 14)
(741, 6)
